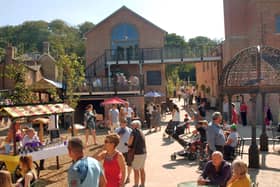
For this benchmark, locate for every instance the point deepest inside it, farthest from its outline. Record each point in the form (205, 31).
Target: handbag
(130, 156)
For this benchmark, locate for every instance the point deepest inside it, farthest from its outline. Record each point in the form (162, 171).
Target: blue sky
(188, 18)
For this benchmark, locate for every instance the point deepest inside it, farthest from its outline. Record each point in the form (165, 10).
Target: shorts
(139, 161)
(91, 126)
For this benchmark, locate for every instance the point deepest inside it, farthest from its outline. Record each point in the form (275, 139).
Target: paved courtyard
(161, 171)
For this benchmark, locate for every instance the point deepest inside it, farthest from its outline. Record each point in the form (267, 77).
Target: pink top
(112, 170)
(234, 117)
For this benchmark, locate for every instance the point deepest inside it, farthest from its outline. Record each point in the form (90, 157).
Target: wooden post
(41, 132)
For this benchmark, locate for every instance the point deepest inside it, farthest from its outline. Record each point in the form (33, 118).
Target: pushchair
(192, 146)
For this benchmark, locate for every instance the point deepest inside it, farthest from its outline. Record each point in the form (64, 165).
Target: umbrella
(114, 100)
(153, 94)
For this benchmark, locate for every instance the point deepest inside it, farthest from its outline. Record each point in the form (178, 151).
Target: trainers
(127, 181)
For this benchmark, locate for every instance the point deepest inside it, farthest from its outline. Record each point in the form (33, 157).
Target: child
(187, 121)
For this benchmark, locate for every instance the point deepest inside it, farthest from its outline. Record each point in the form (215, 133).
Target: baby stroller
(192, 145)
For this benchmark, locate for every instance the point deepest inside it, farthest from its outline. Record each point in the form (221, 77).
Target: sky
(188, 18)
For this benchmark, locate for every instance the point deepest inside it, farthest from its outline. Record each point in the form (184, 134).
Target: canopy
(44, 84)
(154, 94)
(114, 100)
(37, 110)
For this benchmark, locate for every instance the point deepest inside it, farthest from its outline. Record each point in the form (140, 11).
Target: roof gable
(119, 10)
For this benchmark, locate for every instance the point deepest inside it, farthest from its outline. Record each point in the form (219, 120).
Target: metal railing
(117, 83)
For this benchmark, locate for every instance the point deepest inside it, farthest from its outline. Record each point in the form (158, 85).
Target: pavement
(162, 172)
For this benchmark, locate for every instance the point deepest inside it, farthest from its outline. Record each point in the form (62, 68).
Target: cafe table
(193, 184)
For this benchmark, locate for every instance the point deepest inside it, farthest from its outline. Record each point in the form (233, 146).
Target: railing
(118, 83)
(146, 55)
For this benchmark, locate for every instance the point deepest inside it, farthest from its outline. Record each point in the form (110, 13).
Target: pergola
(254, 70)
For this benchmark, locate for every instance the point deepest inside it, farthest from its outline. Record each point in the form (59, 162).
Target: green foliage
(73, 76)
(21, 93)
(29, 37)
(173, 40)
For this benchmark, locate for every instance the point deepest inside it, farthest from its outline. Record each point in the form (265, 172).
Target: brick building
(247, 23)
(118, 40)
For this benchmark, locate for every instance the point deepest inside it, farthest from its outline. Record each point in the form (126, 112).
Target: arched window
(125, 39)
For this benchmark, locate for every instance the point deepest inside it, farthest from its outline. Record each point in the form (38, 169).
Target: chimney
(10, 53)
(46, 47)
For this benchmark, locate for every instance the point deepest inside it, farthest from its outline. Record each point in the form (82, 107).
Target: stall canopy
(36, 110)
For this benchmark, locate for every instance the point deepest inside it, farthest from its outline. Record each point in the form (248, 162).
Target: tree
(73, 76)
(173, 40)
(21, 93)
(85, 27)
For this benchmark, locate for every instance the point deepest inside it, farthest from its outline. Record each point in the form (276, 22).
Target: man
(215, 135)
(114, 117)
(243, 112)
(202, 110)
(124, 132)
(216, 172)
(137, 142)
(231, 143)
(128, 112)
(85, 171)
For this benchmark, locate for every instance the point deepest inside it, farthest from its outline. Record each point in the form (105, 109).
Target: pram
(192, 146)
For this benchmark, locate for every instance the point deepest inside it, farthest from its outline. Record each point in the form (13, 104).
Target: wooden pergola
(254, 70)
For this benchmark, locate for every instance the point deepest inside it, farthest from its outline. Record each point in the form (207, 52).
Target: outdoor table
(49, 152)
(193, 184)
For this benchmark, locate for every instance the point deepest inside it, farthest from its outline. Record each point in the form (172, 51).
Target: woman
(122, 114)
(89, 122)
(137, 142)
(240, 175)
(28, 172)
(113, 161)
(5, 179)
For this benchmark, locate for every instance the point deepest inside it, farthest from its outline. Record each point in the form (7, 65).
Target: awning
(45, 84)
(36, 110)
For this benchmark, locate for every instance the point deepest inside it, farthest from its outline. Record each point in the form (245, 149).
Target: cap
(233, 127)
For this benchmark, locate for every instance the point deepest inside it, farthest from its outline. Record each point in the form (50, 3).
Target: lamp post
(254, 159)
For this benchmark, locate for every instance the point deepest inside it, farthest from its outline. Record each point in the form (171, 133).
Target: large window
(153, 78)
(277, 24)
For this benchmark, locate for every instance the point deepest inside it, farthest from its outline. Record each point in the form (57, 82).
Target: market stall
(35, 113)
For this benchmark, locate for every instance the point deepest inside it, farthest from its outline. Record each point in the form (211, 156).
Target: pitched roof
(120, 9)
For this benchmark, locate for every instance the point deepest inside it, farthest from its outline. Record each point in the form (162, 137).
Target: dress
(244, 182)
(84, 172)
(89, 119)
(112, 171)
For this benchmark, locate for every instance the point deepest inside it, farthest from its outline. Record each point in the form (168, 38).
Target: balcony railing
(119, 83)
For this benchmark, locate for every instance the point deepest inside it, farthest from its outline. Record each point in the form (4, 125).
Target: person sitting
(240, 175)
(5, 179)
(27, 171)
(216, 172)
(231, 143)
(30, 139)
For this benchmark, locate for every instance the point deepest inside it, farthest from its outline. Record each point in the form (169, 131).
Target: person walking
(124, 132)
(113, 161)
(114, 118)
(129, 113)
(215, 135)
(137, 142)
(89, 123)
(84, 171)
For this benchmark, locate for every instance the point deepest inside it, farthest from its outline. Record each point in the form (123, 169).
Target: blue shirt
(84, 172)
(219, 177)
(215, 136)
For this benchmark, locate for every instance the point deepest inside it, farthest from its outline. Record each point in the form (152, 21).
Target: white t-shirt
(176, 116)
(234, 137)
(128, 112)
(52, 125)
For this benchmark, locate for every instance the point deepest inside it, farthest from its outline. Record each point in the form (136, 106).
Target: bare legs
(141, 173)
(93, 133)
